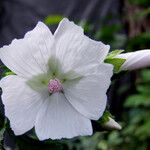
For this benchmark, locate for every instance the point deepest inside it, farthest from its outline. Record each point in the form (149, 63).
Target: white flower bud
(112, 124)
(135, 60)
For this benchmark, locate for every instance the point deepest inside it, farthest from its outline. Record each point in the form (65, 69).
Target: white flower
(60, 83)
(135, 60)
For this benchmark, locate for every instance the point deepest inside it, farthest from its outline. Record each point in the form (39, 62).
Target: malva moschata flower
(60, 81)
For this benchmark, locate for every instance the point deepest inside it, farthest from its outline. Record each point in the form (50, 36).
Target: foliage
(140, 2)
(139, 42)
(111, 34)
(143, 13)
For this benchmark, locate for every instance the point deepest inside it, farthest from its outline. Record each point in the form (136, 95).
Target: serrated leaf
(116, 62)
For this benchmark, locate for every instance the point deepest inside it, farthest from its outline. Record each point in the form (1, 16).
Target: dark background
(19, 16)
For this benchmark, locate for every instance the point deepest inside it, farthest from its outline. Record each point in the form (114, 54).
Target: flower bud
(135, 60)
(112, 124)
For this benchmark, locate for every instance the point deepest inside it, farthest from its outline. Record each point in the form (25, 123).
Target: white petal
(88, 96)
(135, 60)
(74, 49)
(28, 56)
(58, 119)
(21, 103)
(101, 68)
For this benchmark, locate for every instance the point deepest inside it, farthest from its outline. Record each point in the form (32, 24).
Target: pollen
(54, 86)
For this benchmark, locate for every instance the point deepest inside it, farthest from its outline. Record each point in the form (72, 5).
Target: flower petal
(135, 60)
(58, 119)
(28, 56)
(74, 49)
(88, 96)
(21, 103)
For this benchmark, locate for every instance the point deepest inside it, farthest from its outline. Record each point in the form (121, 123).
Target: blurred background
(123, 24)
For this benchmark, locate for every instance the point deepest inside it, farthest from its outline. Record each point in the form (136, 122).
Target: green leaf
(144, 89)
(114, 138)
(137, 100)
(143, 131)
(146, 75)
(116, 62)
(52, 20)
(141, 41)
(140, 2)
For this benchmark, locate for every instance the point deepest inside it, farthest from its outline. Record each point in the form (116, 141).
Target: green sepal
(105, 117)
(52, 20)
(114, 53)
(116, 62)
(6, 71)
(9, 73)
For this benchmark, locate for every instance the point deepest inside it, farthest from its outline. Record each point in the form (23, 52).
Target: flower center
(54, 85)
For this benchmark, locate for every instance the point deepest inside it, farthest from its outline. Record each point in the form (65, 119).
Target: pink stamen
(54, 86)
